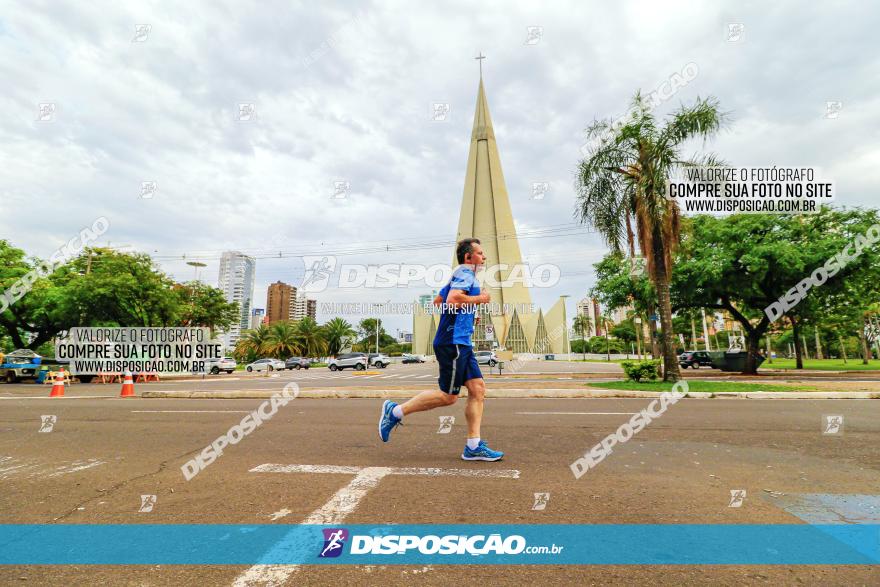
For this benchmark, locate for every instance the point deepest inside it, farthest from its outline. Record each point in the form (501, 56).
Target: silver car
(486, 358)
(266, 365)
(227, 364)
(357, 361)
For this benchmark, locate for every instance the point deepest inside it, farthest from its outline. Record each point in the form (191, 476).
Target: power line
(549, 232)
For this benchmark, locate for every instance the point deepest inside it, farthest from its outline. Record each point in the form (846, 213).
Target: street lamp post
(565, 326)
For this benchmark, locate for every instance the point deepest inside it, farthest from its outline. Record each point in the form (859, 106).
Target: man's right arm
(458, 298)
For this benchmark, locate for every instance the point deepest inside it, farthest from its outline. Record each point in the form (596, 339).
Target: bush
(638, 370)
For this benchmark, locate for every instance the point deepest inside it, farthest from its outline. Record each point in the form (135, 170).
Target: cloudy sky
(344, 92)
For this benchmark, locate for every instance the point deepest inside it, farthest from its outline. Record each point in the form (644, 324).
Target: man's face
(476, 256)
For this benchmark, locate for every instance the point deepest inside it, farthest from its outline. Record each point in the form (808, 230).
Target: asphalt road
(103, 454)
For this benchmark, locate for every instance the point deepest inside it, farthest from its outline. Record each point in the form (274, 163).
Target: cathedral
(511, 322)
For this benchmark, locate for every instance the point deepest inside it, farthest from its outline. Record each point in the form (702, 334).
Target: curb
(345, 393)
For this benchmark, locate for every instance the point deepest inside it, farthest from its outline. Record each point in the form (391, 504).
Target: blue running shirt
(457, 326)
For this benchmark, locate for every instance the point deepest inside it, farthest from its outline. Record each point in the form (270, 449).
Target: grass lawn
(823, 365)
(697, 385)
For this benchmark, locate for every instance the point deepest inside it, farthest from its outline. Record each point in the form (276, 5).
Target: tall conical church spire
(486, 214)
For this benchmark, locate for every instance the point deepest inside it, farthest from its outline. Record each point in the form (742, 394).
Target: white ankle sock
(397, 411)
(473, 443)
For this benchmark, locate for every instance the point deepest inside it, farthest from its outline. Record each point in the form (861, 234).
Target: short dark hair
(464, 247)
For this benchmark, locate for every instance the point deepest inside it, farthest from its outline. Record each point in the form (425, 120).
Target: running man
(455, 356)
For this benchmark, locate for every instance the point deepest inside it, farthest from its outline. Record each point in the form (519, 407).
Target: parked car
(266, 365)
(486, 357)
(357, 361)
(227, 364)
(378, 360)
(412, 359)
(694, 359)
(297, 363)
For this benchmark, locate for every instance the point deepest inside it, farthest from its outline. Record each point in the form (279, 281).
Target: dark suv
(297, 363)
(694, 359)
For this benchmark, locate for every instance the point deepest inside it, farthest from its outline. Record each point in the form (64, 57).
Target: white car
(266, 365)
(378, 360)
(227, 364)
(486, 357)
(356, 361)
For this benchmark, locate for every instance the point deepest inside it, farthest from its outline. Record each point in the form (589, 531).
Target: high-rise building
(301, 306)
(426, 300)
(279, 301)
(589, 307)
(237, 273)
(257, 317)
(511, 322)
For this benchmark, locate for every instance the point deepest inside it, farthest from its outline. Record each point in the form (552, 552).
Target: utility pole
(705, 330)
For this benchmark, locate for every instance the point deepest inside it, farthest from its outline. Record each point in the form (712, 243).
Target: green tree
(338, 334)
(311, 337)
(100, 287)
(284, 340)
(367, 335)
(203, 305)
(252, 344)
(743, 263)
(581, 325)
(624, 179)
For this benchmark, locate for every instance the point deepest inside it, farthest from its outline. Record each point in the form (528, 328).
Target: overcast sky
(344, 92)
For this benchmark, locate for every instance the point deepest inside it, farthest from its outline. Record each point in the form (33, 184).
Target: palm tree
(337, 334)
(310, 337)
(252, 343)
(624, 179)
(284, 340)
(582, 324)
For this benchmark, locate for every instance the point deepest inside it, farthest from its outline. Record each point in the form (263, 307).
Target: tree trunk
(753, 343)
(607, 349)
(693, 334)
(818, 343)
(638, 327)
(842, 348)
(796, 331)
(769, 350)
(652, 331)
(806, 348)
(864, 340)
(671, 370)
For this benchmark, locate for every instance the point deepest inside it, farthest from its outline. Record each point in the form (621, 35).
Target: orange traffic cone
(127, 386)
(58, 386)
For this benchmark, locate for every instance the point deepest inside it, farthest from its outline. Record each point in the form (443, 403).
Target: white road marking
(346, 470)
(209, 380)
(189, 412)
(36, 469)
(76, 466)
(340, 506)
(280, 514)
(576, 413)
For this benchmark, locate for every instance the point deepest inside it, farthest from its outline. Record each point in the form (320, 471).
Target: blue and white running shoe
(387, 420)
(481, 453)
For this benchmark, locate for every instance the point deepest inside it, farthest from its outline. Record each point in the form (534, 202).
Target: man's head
(470, 252)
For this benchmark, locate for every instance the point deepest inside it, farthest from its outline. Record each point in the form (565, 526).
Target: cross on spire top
(480, 58)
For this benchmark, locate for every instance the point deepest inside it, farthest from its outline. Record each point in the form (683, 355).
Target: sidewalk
(510, 393)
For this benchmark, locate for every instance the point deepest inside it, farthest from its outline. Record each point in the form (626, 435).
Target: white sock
(397, 411)
(473, 443)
